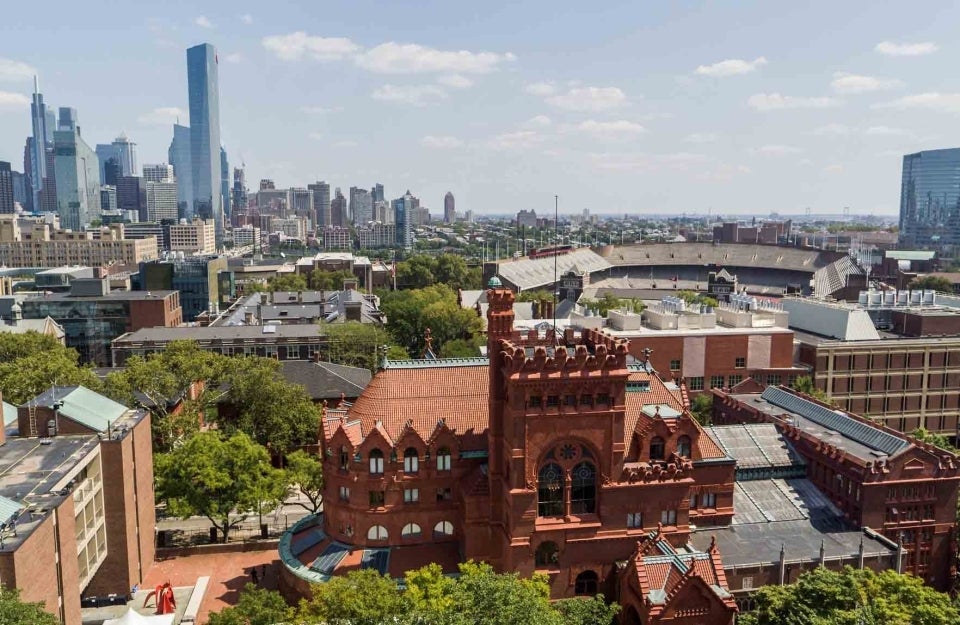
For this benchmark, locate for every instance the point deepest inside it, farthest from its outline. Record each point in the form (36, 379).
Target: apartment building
(196, 237)
(44, 246)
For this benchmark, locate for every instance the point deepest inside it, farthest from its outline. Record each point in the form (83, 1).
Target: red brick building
(557, 456)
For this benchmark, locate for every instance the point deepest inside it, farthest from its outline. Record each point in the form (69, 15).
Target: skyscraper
(239, 200)
(6, 188)
(321, 203)
(930, 199)
(77, 171)
(361, 206)
(42, 138)
(127, 150)
(224, 183)
(204, 95)
(403, 211)
(158, 172)
(338, 209)
(179, 157)
(377, 193)
(449, 208)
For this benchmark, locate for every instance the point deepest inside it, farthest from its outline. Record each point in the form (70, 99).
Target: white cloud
(589, 99)
(776, 150)
(456, 81)
(620, 129)
(890, 48)
(519, 140)
(886, 131)
(725, 172)
(295, 46)
(776, 102)
(246, 18)
(320, 110)
(11, 70)
(13, 100)
(416, 95)
(163, 116)
(835, 168)
(440, 142)
(933, 101)
(411, 58)
(731, 67)
(836, 130)
(646, 162)
(855, 83)
(701, 137)
(346, 143)
(541, 89)
(316, 135)
(539, 121)
(232, 58)
(203, 22)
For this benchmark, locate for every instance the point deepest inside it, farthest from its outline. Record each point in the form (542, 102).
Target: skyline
(654, 109)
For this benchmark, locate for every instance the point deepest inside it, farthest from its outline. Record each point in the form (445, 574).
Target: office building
(225, 184)
(527, 219)
(147, 229)
(449, 208)
(21, 190)
(337, 238)
(112, 171)
(127, 151)
(377, 235)
(239, 198)
(42, 140)
(78, 517)
(930, 199)
(205, 157)
(92, 316)
(159, 172)
(338, 210)
(195, 237)
(132, 195)
(108, 199)
(44, 246)
(321, 204)
(290, 227)
(300, 203)
(161, 200)
(361, 206)
(402, 212)
(204, 282)
(108, 153)
(78, 174)
(246, 235)
(179, 156)
(6, 188)
(377, 193)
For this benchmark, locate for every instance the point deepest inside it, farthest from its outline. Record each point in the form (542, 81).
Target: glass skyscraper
(77, 170)
(204, 94)
(42, 138)
(179, 156)
(930, 199)
(225, 182)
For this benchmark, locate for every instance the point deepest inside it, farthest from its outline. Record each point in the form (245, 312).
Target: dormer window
(376, 462)
(657, 448)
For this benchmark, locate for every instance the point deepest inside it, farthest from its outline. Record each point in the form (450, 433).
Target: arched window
(683, 446)
(377, 532)
(657, 448)
(411, 462)
(376, 462)
(547, 554)
(586, 584)
(410, 530)
(443, 528)
(583, 489)
(550, 490)
(443, 459)
(344, 458)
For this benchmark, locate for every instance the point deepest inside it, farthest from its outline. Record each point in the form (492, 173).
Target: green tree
(411, 312)
(429, 594)
(934, 283)
(213, 477)
(937, 440)
(806, 385)
(25, 377)
(14, 611)
(611, 302)
(256, 606)
(534, 296)
(364, 597)
(305, 473)
(452, 270)
(417, 272)
(356, 344)
(321, 280)
(461, 348)
(701, 407)
(593, 611)
(484, 597)
(280, 282)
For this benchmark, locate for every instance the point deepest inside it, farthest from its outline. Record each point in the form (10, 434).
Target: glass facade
(930, 199)
(179, 156)
(77, 170)
(204, 95)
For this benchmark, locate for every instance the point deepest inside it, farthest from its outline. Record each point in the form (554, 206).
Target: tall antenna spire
(36, 84)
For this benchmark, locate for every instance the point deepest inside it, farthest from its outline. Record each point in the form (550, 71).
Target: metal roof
(82, 405)
(437, 363)
(531, 273)
(836, 421)
(9, 509)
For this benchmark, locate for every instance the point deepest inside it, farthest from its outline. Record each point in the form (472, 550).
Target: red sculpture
(166, 602)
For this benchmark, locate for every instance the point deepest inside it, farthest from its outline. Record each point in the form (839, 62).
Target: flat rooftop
(214, 333)
(717, 330)
(112, 296)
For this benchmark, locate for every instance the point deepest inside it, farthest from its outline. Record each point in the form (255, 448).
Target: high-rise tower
(224, 183)
(204, 95)
(449, 208)
(179, 157)
(42, 139)
(77, 169)
(321, 204)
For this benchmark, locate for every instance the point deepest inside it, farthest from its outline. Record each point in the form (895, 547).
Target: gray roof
(326, 380)
(807, 412)
(755, 445)
(527, 273)
(212, 333)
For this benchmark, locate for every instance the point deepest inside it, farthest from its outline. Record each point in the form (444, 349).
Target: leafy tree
(416, 272)
(256, 606)
(611, 302)
(280, 282)
(934, 283)
(937, 440)
(305, 472)
(701, 407)
(272, 411)
(692, 297)
(851, 597)
(452, 270)
(461, 348)
(14, 610)
(805, 385)
(14, 346)
(430, 593)
(484, 597)
(213, 477)
(25, 377)
(321, 280)
(411, 312)
(593, 611)
(356, 344)
(365, 597)
(534, 296)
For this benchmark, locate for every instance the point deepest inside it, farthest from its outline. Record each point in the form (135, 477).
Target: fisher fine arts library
(557, 455)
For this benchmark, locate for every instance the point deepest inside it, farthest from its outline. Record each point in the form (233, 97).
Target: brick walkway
(228, 572)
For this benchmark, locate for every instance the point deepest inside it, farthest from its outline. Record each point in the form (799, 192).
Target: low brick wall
(179, 552)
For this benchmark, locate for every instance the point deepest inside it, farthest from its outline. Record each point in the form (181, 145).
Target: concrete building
(108, 200)
(161, 200)
(338, 210)
(527, 219)
(359, 266)
(43, 246)
(239, 196)
(449, 208)
(377, 235)
(6, 189)
(764, 233)
(195, 237)
(361, 206)
(158, 172)
(300, 204)
(132, 196)
(205, 283)
(92, 316)
(321, 204)
(78, 516)
(78, 175)
(290, 227)
(246, 235)
(337, 238)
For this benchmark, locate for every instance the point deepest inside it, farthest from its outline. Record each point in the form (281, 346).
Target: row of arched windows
(410, 530)
(411, 460)
(658, 447)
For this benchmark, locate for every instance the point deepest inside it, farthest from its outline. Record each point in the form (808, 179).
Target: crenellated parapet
(605, 357)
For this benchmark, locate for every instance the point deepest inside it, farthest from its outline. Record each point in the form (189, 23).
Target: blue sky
(619, 107)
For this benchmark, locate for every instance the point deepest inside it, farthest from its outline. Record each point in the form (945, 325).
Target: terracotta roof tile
(708, 447)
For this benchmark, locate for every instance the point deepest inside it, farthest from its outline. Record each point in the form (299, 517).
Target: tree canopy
(321, 280)
(851, 597)
(31, 362)
(411, 312)
(281, 282)
(305, 474)
(421, 270)
(208, 475)
(610, 302)
(357, 344)
(806, 385)
(256, 606)
(934, 283)
(13, 610)
(701, 407)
